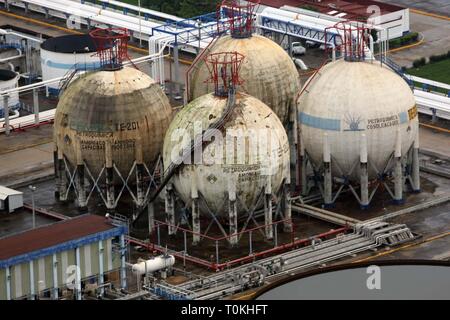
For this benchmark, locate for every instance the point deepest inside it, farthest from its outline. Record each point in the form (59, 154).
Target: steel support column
(398, 170)
(32, 288)
(6, 112)
(416, 165)
(55, 277)
(101, 277)
(327, 179)
(364, 178)
(123, 273)
(36, 106)
(77, 274)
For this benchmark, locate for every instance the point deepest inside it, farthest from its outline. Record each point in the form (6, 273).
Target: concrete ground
(434, 6)
(436, 35)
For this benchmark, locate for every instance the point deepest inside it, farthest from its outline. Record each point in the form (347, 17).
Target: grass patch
(437, 71)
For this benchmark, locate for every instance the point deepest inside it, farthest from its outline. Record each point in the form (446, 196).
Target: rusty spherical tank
(347, 102)
(250, 150)
(122, 115)
(268, 72)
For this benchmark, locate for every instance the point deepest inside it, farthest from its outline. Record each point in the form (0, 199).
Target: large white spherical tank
(347, 100)
(268, 73)
(124, 109)
(244, 164)
(9, 80)
(61, 54)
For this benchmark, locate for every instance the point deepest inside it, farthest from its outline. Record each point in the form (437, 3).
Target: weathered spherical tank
(123, 110)
(351, 101)
(254, 160)
(268, 73)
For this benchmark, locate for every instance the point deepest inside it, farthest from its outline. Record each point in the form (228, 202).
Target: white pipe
(154, 264)
(20, 55)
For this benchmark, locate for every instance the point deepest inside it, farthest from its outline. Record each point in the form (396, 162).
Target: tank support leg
(57, 172)
(170, 209)
(81, 187)
(62, 183)
(151, 218)
(398, 171)
(110, 195)
(287, 225)
(232, 210)
(303, 160)
(327, 180)
(364, 173)
(416, 165)
(140, 185)
(195, 222)
(268, 208)
(110, 188)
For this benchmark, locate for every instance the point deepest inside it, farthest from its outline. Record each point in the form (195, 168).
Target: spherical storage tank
(121, 112)
(9, 80)
(350, 101)
(213, 173)
(268, 72)
(59, 55)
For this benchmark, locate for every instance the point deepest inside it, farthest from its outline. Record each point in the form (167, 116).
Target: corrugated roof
(54, 234)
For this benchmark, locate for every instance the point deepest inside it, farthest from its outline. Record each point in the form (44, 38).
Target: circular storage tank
(9, 80)
(348, 99)
(245, 170)
(268, 72)
(125, 109)
(60, 54)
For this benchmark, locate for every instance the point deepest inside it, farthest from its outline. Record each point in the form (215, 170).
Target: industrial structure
(62, 55)
(358, 122)
(242, 169)
(233, 187)
(268, 73)
(60, 259)
(109, 127)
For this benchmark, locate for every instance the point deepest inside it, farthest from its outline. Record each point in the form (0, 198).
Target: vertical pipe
(250, 243)
(123, 273)
(110, 196)
(364, 179)
(77, 274)
(8, 282)
(327, 180)
(32, 288)
(36, 106)
(416, 165)
(217, 252)
(177, 94)
(101, 277)
(398, 174)
(55, 277)
(6, 112)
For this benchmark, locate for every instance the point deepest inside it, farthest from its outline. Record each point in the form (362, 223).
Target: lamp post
(33, 189)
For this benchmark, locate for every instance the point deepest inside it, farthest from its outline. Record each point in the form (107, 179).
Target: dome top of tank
(6, 75)
(78, 43)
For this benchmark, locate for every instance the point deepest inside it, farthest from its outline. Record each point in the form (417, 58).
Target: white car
(297, 49)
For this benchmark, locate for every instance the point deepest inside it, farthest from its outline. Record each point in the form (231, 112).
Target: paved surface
(434, 140)
(436, 33)
(434, 6)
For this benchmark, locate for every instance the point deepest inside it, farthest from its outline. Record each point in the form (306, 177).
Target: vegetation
(403, 41)
(182, 8)
(437, 69)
